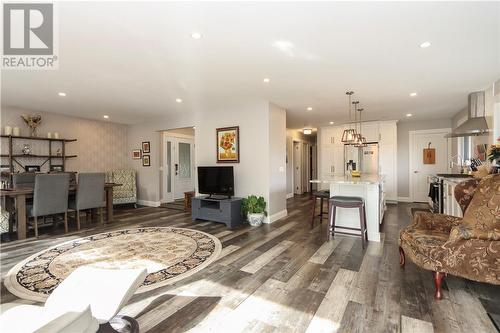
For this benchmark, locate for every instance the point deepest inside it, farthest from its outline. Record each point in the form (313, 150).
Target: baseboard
(404, 199)
(276, 216)
(148, 203)
(289, 195)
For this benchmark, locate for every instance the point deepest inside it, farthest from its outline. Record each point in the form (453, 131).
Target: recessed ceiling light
(62, 94)
(309, 108)
(196, 35)
(178, 100)
(409, 115)
(331, 122)
(425, 44)
(307, 131)
(105, 116)
(413, 94)
(266, 80)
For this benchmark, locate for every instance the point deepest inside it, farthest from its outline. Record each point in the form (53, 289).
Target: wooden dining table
(19, 196)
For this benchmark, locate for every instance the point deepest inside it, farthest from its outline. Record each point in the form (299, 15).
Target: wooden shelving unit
(48, 158)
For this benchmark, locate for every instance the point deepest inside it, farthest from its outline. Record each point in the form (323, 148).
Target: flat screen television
(216, 180)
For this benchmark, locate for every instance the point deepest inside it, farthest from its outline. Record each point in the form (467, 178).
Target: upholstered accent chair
(468, 247)
(127, 192)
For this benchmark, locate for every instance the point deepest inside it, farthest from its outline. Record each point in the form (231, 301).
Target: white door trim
(411, 140)
(175, 139)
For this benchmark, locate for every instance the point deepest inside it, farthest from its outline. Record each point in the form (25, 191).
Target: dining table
(18, 196)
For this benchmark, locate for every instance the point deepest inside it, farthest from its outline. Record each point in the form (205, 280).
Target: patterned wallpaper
(100, 145)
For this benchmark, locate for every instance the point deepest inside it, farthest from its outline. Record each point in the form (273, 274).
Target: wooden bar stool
(348, 202)
(323, 196)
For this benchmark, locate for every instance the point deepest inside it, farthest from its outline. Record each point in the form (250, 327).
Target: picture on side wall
(228, 144)
(146, 147)
(136, 154)
(146, 161)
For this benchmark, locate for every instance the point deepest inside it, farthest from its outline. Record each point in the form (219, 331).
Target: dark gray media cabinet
(226, 211)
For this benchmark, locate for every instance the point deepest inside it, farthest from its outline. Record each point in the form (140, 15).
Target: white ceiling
(132, 60)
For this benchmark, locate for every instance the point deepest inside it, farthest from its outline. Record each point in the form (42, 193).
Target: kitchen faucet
(460, 163)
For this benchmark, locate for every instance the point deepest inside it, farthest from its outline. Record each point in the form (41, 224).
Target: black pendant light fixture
(349, 134)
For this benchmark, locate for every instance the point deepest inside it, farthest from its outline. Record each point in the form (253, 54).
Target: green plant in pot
(254, 208)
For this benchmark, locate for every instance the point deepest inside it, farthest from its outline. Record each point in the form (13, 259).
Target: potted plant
(255, 209)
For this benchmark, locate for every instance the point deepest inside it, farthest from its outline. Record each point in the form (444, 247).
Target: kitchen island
(368, 187)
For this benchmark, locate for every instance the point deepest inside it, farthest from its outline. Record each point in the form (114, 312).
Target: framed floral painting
(228, 144)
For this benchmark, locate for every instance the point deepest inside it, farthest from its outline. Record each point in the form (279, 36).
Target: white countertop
(363, 180)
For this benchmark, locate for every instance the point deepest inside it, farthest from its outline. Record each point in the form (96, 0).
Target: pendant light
(349, 134)
(357, 136)
(361, 142)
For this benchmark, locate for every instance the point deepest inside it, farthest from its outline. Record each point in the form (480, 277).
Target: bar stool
(348, 202)
(322, 195)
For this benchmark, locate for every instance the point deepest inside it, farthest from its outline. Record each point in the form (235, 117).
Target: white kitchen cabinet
(332, 160)
(331, 135)
(450, 204)
(387, 132)
(370, 131)
(387, 168)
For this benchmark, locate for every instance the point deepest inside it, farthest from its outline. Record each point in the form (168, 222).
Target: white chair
(103, 292)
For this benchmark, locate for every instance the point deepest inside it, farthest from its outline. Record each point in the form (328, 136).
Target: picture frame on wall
(146, 160)
(136, 154)
(146, 147)
(228, 144)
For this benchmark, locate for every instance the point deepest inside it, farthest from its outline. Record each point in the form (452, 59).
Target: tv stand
(218, 197)
(223, 210)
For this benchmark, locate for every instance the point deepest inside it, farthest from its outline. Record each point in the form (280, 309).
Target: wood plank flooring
(283, 277)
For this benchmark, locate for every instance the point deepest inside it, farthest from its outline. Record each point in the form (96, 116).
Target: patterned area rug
(169, 254)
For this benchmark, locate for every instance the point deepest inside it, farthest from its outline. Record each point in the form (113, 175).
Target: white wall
(100, 145)
(277, 160)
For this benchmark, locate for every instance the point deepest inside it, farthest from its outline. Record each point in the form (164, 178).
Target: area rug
(169, 254)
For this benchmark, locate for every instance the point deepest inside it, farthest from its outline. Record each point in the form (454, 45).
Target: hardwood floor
(283, 277)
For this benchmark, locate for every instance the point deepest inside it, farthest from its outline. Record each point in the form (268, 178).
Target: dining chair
(23, 180)
(50, 197)
(89, 194)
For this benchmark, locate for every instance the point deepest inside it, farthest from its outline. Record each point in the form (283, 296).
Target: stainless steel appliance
(365, 159)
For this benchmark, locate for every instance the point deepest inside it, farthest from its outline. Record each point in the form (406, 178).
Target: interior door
(297, 168)
(420, 172)
(183, 167)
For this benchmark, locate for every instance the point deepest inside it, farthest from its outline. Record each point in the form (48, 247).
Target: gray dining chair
(50, 197)
(89, 194)
(23, 180)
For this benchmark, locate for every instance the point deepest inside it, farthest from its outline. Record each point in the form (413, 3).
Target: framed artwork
(146, 147)
(32, 168)
(136, 154)
(228, 144)
(58, 168)
(146, 161)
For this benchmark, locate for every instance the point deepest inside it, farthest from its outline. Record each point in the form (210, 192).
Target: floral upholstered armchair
(127, 192)
(468, 247)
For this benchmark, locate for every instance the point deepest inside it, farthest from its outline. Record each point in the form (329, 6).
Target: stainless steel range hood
(476, 123)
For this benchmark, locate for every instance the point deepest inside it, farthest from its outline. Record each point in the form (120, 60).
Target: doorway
(179, 163)
(297, 167)
(419, 171)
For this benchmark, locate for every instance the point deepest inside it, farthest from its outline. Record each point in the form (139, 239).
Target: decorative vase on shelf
(26, 149)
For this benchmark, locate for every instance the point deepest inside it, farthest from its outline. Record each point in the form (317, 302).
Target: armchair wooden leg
(438, 279)
(77, 219)
(36, 227)
(402, 259)
(101, 219)
(66, 222)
